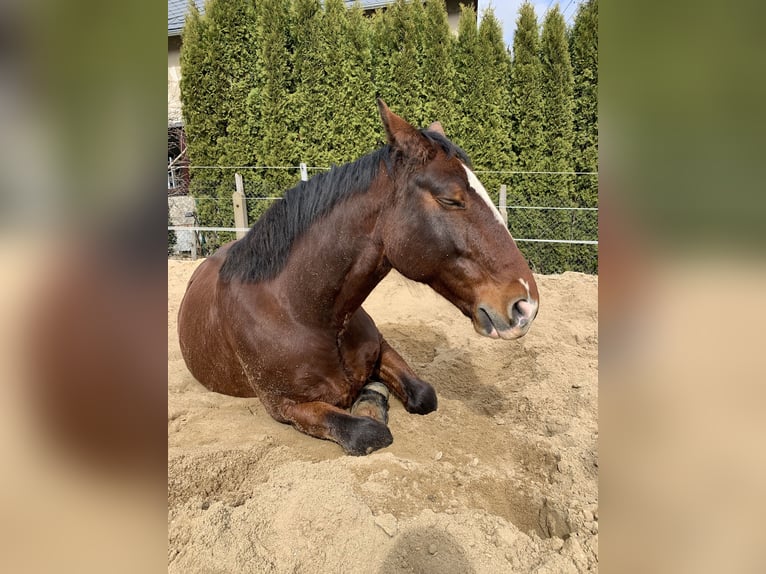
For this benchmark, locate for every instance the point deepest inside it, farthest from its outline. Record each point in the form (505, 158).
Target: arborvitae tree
(492, 151)
(417, 16)
(233, 27)
(438, 69)
(558, 86)
(270, 103)
(584, 55)
(358, 121)
(583, 47)
(467, 98)
(201, 97)
(218, 70)
(311, 97)
(528, 140)
(381, 57)
(344, 82)
(483, 124)
(527, 106)
(275, 82)
(396, 69)
(334, 97)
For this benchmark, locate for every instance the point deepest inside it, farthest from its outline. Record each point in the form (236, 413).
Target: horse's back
(202, 332)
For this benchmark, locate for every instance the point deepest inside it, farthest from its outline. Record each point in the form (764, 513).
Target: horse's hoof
(367, 435)
(372, 402)
(421, 398)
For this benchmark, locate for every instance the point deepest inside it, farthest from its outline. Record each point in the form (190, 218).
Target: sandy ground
(503, 477)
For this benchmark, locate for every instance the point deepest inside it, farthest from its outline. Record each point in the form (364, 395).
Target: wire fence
(554, 238)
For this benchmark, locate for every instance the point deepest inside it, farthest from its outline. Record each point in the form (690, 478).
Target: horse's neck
(338, 262)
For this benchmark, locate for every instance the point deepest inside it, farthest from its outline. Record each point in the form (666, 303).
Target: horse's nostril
(517, 315)
(522, 312)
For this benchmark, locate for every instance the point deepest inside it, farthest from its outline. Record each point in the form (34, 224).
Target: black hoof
(362, 435)
(421, 397)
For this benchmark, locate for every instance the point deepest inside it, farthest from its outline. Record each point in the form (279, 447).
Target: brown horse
(277, 314)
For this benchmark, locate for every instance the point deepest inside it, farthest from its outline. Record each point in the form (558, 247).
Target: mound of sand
(502, 477)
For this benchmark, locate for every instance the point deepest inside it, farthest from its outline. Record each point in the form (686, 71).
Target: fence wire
(554, 238)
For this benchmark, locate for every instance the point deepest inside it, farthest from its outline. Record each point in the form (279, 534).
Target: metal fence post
(240, 205)
(195, 234)
(571, 226)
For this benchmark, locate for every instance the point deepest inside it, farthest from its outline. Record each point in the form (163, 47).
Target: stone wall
(178, 207)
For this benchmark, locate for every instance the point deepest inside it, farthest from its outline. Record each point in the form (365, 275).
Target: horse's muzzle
(514, 324)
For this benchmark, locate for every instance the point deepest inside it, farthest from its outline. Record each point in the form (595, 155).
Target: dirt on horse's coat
(277, 314)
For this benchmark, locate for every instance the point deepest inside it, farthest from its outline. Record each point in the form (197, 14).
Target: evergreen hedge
(278, 82)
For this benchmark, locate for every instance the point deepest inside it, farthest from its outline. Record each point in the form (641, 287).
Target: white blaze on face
(526, 286)
(474, 182)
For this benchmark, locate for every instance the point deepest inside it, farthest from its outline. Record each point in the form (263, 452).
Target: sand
(503, 477)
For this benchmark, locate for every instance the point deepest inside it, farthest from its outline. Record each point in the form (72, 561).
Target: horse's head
(443, 230)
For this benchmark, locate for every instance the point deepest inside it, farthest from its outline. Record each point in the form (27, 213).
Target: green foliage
(201, 96)
(527, 106)
(483, 97)
(334, 94)
(493, 147)
(557, 83)
(218, 74)
(360, 120)
(356, 127)
(558, 86)
(270, 106)
(583, 48)
(584, 56)
(527, 136)
(270, 100)
(397, 58)
(437, 68)
(347, 86)
(464, 54)
(278, 82)
(310, 53)
(233, 24)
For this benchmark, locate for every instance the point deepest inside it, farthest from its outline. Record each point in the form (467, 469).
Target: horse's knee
(421, 397)
(360, 435)
(278, 409)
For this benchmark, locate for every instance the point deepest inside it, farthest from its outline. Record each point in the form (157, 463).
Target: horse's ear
(402, 136)
(437, 127)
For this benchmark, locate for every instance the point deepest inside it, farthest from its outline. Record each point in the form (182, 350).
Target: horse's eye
(451, 203)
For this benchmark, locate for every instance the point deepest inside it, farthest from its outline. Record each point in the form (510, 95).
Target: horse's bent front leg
(417, 395)
(358, 435)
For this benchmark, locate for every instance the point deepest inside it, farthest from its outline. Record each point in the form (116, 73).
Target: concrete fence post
(240, 205)
(304, 172)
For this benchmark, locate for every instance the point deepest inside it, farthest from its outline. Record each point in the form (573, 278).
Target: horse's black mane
(263, 252)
